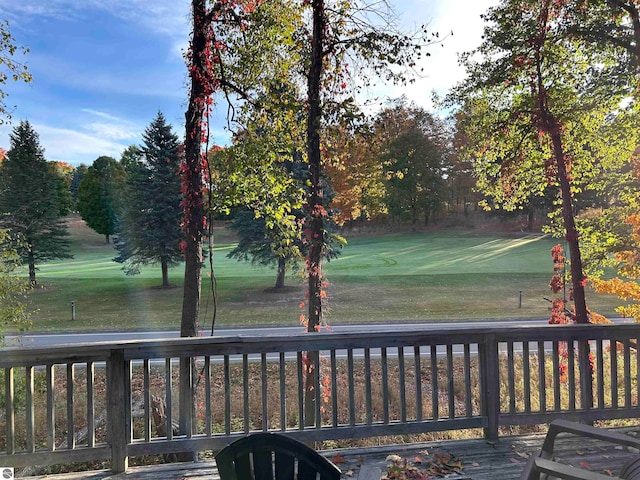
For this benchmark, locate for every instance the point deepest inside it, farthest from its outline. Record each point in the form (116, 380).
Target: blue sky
(103, 68)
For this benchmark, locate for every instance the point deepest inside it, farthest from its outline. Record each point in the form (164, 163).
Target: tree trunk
(314, 233)
(107, 239)
(282, 270)
(165, 272)
(32, 265)
(577, 276)
(194, 210)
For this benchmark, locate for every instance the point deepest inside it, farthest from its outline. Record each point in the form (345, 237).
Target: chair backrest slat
(285, 466)
(263, 464)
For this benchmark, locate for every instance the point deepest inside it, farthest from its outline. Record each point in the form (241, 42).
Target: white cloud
(72, 146)
(112, 127)
(111, 131)
(100, 114)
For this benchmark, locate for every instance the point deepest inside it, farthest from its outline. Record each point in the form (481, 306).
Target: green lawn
(439, 276)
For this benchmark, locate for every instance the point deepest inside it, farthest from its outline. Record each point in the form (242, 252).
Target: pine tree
(149, 232)
(29, 201)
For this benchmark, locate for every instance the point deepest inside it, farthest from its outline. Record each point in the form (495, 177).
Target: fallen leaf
(349, 473)
(515, 460)
(523, 454)
(585, 465)
(579, 452)
(606, 457)
(417, 460)
(475, 464)
(608, 472)
(337, 458)
(423, 452)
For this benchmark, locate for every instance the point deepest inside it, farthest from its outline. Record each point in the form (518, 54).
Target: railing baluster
(208, 426)
(571, 375)
(245, 392)
(51, 408)
(526, 376)
(511, 378)
(71, 438)
(467, 380)
(385, 385)
(300, 393)
(352, 401)
(334, 389)
(10, 412)
(556, 377)
(263, 372)
(227, 395)
(600, 374)
(435, 407)
(283, 392)
(91, 425)
(542, 377)
(613, 350)
(401, 381)
(30, 411)
(416, 362)
(627, 374)
(146, 382)
(168, 395)
(450, 386)
(367, 385)
(316, 386)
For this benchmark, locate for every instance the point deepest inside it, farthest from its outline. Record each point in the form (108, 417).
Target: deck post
(490, 385)
(117, 402)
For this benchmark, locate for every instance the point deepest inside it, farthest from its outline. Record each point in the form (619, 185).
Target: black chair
(541, 466)
(271, 456)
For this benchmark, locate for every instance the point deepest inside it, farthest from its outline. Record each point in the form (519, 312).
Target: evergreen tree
(150, 232)
(76, 178)
(29, 201)
(99, 193)
(263, 242)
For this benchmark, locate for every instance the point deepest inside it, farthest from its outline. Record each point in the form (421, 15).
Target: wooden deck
(481, 460)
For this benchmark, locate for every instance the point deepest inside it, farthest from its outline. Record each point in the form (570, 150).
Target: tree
(260, 245)
(347, 40)
(99, 194)
(29, 201)
(63, 174)
(356, 174)
(76, 179)
(414, 151)
(131, 158)
(9, 66)
(149, 230)
(537, 112)
(269, 242)
(14, 313)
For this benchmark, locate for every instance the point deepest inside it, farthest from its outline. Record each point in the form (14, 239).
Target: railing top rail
(239, 344)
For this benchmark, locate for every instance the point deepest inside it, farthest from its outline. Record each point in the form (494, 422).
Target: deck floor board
(481, 460)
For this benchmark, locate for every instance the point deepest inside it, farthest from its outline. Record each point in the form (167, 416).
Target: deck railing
(111, 401)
